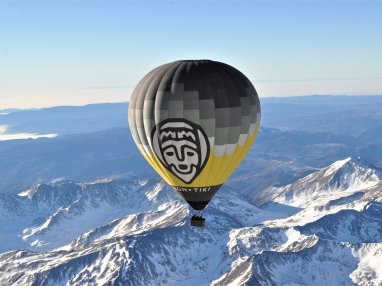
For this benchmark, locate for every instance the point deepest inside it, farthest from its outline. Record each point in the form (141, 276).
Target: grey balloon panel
(221, 135)
(147, 111)
(153, 83)
(234, 133)
(216, 96)
(245, 123)
(223, 117)
(136, 107)
(191, 100)
(208, 124)
(193, 116)
(245, 106)
(145, 82)
(207, 108)
(161, 100)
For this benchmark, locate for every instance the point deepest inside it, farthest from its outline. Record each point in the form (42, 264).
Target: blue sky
(77, 52)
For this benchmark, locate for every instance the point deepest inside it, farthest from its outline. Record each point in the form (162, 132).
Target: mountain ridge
(333, 240)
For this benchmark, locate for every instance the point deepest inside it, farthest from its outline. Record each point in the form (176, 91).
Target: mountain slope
(49, 216)
(335, 240)
(341, 178)
(167, 249)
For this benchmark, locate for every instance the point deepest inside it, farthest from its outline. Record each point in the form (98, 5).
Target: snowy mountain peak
(340, 163)
(341, 178)
(352, 165)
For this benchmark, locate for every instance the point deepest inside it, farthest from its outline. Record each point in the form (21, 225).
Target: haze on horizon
(74, 53)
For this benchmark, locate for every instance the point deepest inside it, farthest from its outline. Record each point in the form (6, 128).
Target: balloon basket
(197, 221)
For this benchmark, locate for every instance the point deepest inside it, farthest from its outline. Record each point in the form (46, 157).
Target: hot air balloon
(194, 121)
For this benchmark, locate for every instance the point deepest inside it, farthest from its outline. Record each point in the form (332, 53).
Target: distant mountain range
(66, 119)
(94, 142)
(350, 115)
(357, 116)
(277, 158)
(134, 231)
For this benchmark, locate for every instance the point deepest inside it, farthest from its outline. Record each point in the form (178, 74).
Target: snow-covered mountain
(339, 180)
(50, 215)
(131, 231)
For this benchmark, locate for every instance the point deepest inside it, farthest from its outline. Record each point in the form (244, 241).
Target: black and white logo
(182, 146)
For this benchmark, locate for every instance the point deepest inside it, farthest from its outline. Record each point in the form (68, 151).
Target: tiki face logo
(182, 147)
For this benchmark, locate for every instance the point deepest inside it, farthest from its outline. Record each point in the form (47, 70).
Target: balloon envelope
(194, 121)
